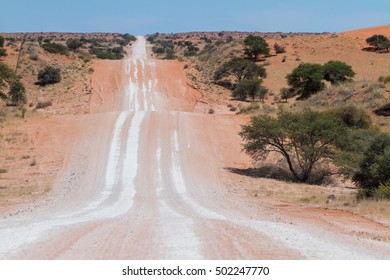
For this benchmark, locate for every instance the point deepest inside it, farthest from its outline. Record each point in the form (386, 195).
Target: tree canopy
(306, 79)
(241, 69)
(256, 46)
(337, 71)
(247, 87)
(2, 40)
(380, 42)
(303, 139)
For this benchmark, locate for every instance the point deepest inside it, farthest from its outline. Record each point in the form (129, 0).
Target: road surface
(149, 184)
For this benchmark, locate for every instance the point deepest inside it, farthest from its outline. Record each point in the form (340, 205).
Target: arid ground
(146, 175)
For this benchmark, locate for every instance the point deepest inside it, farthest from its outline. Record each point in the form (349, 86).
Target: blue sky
(149, 16)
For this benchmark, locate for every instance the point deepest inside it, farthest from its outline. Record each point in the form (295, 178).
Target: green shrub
(374, 167)
(383, 191)
(49, 75)
(353, 116)
(55, 48)
(2, 40)
(247, 109)
(17, 93)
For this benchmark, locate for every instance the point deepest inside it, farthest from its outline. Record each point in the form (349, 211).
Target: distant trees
(2, 40)
(49, 75)
(303, 139)
(255, 46)
(246, 74)
(241, 69)
(379, 42)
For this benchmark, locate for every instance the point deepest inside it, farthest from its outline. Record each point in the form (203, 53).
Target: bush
(34, 56)
(49, 75)
(353, 116)
(2, 40)
(3, 52)
(383, 191)
(384, 79)
(17, 93)
(243, 109)
(43, 104)
(74, 44)
(375, 166)
(279, 49)
(55, 48)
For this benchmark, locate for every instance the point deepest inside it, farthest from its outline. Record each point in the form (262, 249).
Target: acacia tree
(241, 69)
(247, 87)
(256, 46)
(337, 71)
(306, 79)
(303, 139)
(380, 42)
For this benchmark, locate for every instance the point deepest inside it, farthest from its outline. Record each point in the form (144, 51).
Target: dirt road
(148, 182)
